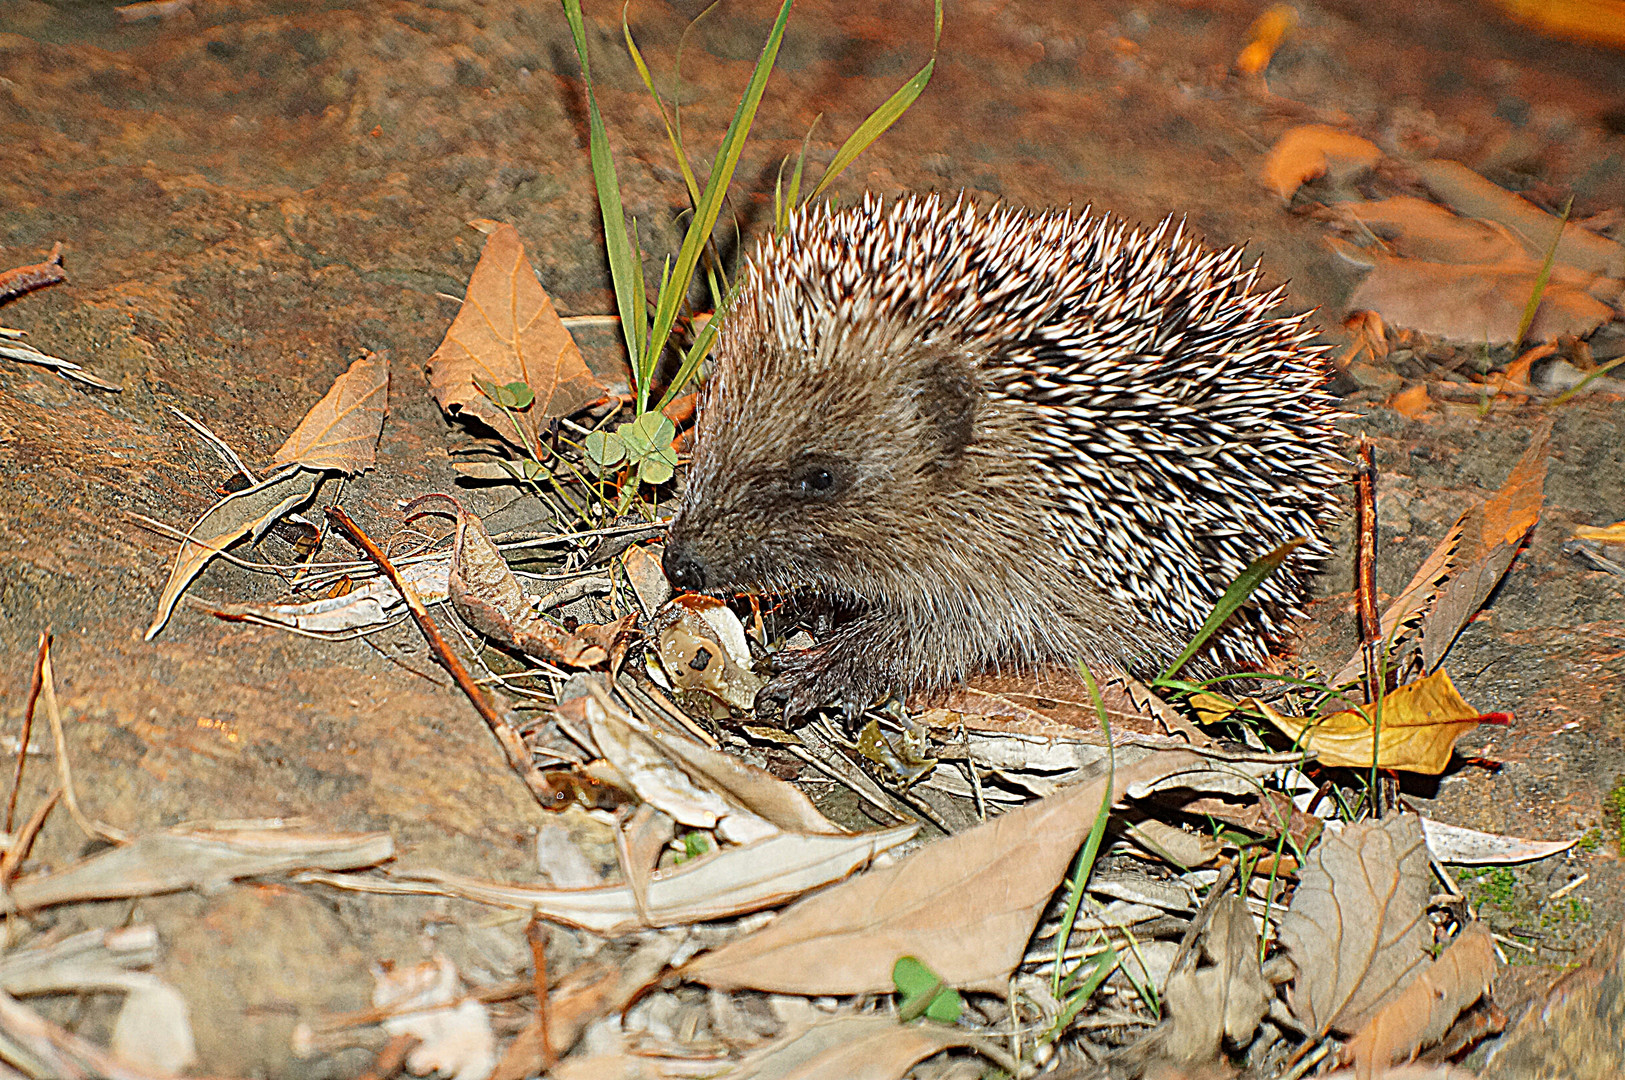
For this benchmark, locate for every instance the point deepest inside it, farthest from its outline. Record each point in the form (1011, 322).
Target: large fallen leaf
(188, 858)
(1469, 847)
(1309, 151)
(871, 1047)
(506, 332)
(1469, 193)
(730, 882)
(965, 906)
(1420, 725)
(1422, 1012)
(1476, 304)
(249, 512)
(1492, 532)
(340, 433)
(1357, 927)
(1417, 229)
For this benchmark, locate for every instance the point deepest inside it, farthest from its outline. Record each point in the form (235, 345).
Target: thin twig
(1365, 487)
(93, 829)
(512, 743)
(536, 933)
(34, 685)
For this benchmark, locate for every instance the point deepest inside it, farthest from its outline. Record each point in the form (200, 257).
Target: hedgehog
(998, 439)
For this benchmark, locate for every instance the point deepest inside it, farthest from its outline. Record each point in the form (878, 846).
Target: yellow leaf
(1602, 534)
(1420, 725)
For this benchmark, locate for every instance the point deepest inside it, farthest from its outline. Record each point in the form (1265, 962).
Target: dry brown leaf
(1422, 1012)
(871, 1047)
(1265, 814)
(249, 512)
(1417, 229)
(1057, 697)
(485, 592)
(1476, 304)
(1470, 194)
(1421, 722)
(964, 906)
(1207, 1006)
(1312, 150)
(1491, 535)
(341, 431)
(729, 882)
(1410, 603)
(507, 331)
(186, 858)
(1357, 927)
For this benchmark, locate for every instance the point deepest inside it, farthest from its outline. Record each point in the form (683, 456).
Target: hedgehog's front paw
(825, 675)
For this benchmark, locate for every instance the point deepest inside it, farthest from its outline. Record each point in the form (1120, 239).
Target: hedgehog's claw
(810, 679)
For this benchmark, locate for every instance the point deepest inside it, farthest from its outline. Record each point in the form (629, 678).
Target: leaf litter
(1304, 933)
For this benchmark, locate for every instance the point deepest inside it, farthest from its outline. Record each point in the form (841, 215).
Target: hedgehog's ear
(948, 397)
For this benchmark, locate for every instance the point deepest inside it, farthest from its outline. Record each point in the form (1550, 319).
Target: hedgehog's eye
(817, 480)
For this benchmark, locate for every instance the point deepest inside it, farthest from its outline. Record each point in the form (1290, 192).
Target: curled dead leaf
(1424, 1010)
(1309, 151)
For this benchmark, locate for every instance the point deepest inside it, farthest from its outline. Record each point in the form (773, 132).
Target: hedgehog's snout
(683, 568)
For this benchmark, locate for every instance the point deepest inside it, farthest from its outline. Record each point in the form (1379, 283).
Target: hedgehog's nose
(682, 568)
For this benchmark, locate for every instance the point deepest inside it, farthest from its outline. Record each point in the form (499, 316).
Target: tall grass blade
(716, 187)
(1542, 277)
(673, 136)
(1091, 847)
(1236, 595)
(623, 261)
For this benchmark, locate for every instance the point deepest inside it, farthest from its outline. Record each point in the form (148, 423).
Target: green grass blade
(781, 216)
(1542, 278)
(640, 299)
(623, 263)
(1091, 847)
(672, 134)
(885, 116)
(716, 187)
(1236, 595)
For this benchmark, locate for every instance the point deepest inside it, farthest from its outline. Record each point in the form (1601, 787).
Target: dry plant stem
(1365, 488)
(23, 841)
(34, 684)
(93, 829)
(513, 745)
(536, 933)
